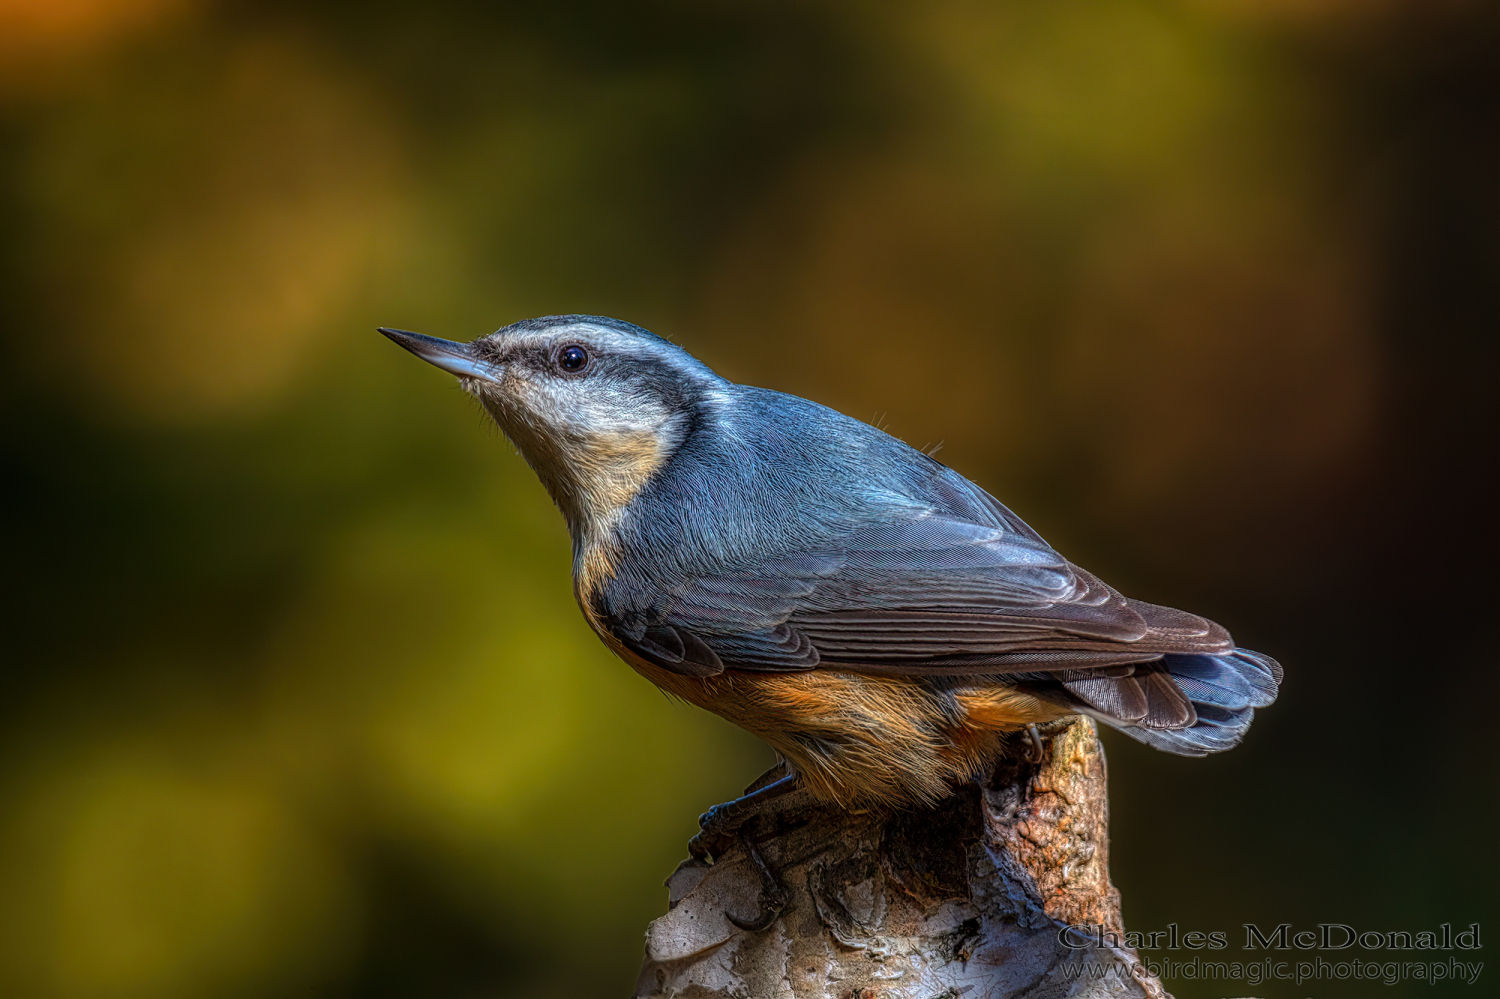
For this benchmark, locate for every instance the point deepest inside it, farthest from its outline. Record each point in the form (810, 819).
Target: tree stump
(971, 898)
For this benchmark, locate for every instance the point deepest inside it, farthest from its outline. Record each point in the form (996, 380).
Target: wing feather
(931, 595)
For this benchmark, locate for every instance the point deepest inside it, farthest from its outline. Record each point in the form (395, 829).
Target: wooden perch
(966, 899)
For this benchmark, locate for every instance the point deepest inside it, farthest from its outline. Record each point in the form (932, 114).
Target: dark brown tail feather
(1219, 693)
(1148, 698)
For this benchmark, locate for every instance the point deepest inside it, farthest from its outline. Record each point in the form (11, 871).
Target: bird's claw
(773, 897)
(705, 846)
(718, 825)
(1035, 753)
(712, 838)
(724, 824)
(712, 843)
(768, 915)
(714, 815)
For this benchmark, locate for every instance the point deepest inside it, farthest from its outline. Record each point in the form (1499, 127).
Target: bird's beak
(453, 357)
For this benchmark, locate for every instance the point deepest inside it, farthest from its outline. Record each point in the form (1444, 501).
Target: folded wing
(932, 595)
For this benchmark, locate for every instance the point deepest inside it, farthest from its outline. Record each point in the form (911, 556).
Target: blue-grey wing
(926, 595)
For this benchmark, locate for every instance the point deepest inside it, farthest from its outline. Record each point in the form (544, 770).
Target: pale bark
(962, 900)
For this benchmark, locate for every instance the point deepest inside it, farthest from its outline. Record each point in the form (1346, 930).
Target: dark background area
(297, 700)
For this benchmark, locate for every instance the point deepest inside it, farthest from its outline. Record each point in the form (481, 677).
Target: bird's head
(595, 405)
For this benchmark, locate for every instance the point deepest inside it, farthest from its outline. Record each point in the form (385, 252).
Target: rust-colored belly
(858, 738)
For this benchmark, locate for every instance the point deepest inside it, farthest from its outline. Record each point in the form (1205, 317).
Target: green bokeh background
(296, 698)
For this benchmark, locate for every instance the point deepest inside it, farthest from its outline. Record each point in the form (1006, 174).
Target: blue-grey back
(767, 476)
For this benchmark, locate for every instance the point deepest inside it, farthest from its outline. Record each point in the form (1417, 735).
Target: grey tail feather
(1225, 690)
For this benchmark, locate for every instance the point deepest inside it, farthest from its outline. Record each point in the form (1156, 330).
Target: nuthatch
(887, 626)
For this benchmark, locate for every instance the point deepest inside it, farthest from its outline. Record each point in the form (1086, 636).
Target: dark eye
(572, 358)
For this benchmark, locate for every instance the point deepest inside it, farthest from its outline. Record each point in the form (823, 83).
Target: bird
(887, 626)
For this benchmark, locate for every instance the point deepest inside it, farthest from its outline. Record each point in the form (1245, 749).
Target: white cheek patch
(587, 409)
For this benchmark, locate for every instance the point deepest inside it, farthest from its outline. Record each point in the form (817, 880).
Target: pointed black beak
(450, 355)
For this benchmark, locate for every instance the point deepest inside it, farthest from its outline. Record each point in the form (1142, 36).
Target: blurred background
(296, 698)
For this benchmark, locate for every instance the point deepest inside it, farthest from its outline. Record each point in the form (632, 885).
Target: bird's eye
(572, 358)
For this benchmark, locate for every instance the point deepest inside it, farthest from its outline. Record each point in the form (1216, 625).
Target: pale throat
(592, 456)
(593, 474)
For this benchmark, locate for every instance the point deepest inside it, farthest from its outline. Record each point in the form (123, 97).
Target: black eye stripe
(572, 358)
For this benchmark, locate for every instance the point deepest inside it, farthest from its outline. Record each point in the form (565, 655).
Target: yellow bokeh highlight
(33, 28)
(137, 870)
(210, 295)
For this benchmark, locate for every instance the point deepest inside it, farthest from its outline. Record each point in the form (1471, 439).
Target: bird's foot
(725, 825)
(711, 840)
(718, 826)
(1035, 753)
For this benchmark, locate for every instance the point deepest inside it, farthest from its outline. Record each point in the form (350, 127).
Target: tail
(1224, 691)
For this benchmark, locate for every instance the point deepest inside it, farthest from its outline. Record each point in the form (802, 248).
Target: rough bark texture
(962, 900)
